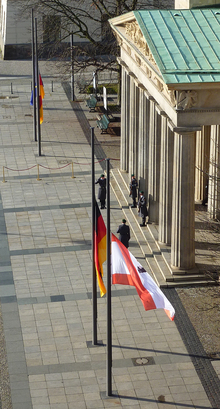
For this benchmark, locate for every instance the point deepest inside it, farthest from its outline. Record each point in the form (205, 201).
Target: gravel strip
(5, 399)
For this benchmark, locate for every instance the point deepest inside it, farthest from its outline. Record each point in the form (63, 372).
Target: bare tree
(94, 42)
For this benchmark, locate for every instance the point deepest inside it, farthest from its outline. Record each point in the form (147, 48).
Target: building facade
(170, 118)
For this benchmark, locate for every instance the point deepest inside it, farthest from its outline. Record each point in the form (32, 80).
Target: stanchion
(73, 177)
(52, 86)
(38, 172)
(3, 172)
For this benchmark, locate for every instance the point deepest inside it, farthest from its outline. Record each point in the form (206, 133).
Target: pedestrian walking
(133, 190)
(124, 233)
(142, 208)
(102, 190)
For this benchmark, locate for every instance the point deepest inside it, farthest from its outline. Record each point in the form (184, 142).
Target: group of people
(142, 203)
(123, 229)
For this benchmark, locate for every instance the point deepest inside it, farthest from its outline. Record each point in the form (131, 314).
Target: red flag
(100, 248)
(128, 271)
(41, 97)
(41, 109)
(41, 87)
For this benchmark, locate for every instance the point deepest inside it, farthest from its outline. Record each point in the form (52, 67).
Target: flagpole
(109, 306)
(33, 77)
(72, 66)
(94, 283)
(38, 99)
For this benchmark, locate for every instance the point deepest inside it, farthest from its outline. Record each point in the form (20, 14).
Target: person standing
(124, 233)
(133, 190)
(102, 190)
(142, 208)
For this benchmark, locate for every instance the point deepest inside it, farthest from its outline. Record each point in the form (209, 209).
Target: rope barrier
(38, 170)
(19, 170)
(46, 167)
(98, 161)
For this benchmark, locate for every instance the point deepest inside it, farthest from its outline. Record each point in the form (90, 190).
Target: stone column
(146, 143)
(141, 134)
(154, 161)
(202, 162)
(183, 213)
(214, 174)
(130, 136)
(133, 125)
(125, 117)
(143, 140)
(166, 182)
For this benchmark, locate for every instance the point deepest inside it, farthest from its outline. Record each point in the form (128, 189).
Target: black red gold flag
(100, 248)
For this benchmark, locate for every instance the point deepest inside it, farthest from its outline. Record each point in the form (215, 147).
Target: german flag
(41, 97)
(99, 248)
(42, 93)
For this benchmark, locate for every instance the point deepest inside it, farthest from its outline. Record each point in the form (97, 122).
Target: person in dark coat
(142, 208)
(102, 190)
(124, 233)
(133, 190)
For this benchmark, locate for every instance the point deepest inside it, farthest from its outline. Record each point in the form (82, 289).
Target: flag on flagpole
(42, 93)
(126, 270)
(41, 109)
(41, 97)
(32, 100)
(99, 248)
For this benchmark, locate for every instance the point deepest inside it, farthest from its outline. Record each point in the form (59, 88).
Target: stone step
(181, 284)
(187, 277)
(157, 255)
(145, 249)
(123, 202)
(143, 236)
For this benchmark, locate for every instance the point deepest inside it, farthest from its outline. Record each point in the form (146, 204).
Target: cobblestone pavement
(45, 276)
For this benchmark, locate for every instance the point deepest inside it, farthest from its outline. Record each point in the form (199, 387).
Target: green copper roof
(184, 43)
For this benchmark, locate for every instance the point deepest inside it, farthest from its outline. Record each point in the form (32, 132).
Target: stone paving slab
(46, 251)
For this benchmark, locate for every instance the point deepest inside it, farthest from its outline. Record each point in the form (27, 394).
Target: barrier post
(38, 172)
(73, 177)
(3, 172)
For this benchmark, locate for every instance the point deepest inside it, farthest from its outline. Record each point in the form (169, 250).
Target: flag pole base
(114, 395)
(91, 345)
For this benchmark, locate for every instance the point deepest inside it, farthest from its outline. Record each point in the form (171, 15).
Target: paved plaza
(45, 275)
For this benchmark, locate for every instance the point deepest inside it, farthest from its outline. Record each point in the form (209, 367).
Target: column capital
(184, 130)
(132, 74)
(152, 98)
(140, 85)
(160, 111)
(122, 63)
(146, 93)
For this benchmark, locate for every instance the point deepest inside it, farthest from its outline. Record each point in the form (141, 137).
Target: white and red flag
(126, 270)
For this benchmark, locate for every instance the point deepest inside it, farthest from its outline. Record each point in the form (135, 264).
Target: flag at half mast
(41, 97)
(126, 270)
(42, 93)
(99, 248)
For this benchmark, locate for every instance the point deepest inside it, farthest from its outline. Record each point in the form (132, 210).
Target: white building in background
(15, 31)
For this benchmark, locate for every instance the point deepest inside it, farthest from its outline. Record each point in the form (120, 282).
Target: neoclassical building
(170, 115)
